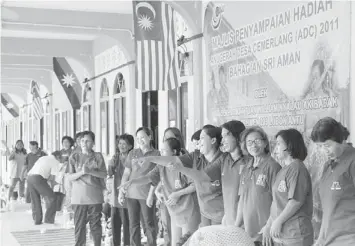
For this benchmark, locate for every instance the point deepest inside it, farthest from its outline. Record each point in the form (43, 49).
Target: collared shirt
(209, 193)
(31, 158)
(173, 181)
(231, 171)
(139, 191)
(256, 194)
(337, 195)
(116, 168)
(87, 189)
(294, 182)
(45, 166)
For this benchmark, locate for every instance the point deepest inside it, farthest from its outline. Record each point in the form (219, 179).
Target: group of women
(233, 180)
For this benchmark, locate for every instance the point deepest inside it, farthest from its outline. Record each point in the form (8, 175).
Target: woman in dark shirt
(337, 185)
(119, 213)
(290, 221)
(205, 170)
(140, 197)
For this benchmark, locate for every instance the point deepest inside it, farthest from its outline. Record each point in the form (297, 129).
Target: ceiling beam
(45, 47)
(42, 77)
(55, 18)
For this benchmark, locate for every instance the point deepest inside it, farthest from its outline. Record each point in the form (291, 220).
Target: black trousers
(83, 214)
(59, 201)
(119, 219)
(38, 187)
(135, 207)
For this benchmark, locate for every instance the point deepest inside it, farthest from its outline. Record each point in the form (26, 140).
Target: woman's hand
(275, 229)
(150, 201)
(121, 197)
(176, 166)
(124, 187)
(173, 199)
(160, 196)
(267, 240)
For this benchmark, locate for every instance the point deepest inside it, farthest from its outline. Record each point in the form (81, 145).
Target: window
(86, 107)
(104, 113)
(57, 130)
(64, 124)
(77, 121)
(119, 104)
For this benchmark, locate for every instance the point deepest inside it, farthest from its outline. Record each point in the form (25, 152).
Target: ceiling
(35, 31)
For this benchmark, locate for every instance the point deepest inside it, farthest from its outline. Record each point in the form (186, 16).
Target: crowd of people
(232, 182)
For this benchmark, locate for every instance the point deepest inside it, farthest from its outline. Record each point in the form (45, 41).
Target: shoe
(38, 223)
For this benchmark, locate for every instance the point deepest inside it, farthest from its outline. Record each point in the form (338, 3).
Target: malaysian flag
(37, 101)
(156, 46)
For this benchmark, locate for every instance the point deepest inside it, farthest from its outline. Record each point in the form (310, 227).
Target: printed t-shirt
(337, 195)
(139, 191)
(209, 193)
(294, 182)
(231, 171)
(256, 194)
(87, 189)
(173, 181)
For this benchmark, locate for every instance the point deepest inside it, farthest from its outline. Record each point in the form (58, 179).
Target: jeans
(83, 214)
(135, 207)
(119, 219)
(13, 185)
(38, 187)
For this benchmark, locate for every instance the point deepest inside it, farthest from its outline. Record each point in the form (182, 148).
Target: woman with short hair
(337, 185)
(290, 221)
(140, 198)
(255, 189)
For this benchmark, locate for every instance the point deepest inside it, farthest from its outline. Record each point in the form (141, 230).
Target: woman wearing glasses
(256, 184)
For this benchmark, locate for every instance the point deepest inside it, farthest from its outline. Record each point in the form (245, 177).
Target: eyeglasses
(255, 141)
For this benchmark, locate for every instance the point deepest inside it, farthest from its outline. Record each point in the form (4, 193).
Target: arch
(191, 22)
(104, 91)
(119, 85)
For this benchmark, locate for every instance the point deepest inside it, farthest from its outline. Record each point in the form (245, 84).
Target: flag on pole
(37, 105)
(156, 46)
(9, 104)
(68, 80)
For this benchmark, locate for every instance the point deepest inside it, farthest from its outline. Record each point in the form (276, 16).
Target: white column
(96, 112)
(133, 103)
(195, 88)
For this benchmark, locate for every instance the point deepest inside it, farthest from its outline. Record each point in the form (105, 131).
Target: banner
(279, 65)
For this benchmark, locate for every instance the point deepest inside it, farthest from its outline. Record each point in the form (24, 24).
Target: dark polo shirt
(294, 182)
(139, 191)
(337, 195)
(32, 158)
(256, 194)
(87, 190)
(231, 171)
(173, 181)
(209, 193)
